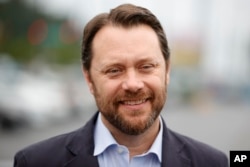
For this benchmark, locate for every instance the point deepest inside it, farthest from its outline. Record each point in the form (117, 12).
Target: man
(125, 59)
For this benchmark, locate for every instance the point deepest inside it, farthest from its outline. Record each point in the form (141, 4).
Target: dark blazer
(76, 149)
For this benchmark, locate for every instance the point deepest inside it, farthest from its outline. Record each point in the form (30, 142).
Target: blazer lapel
(172, 150)
(82, 147)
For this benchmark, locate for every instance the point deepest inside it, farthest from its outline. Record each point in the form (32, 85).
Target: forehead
(117, 40)
(116, 32)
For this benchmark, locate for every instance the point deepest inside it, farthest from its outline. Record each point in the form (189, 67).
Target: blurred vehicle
(29, 97)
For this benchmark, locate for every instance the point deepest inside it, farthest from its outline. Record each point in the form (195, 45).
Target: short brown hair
(126, 15)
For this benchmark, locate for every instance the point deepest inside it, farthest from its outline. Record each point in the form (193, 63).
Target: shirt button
(119, 150)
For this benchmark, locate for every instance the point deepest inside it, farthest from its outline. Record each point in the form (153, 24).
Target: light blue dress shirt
(111, 154)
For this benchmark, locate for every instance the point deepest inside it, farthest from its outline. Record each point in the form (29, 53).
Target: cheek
(160, 80)
(105, 88)
(160, 84)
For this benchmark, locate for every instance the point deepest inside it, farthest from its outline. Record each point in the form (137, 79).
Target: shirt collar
(102, 143)
(157, 145)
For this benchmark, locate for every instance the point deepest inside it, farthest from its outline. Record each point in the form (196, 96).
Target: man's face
(128, 77)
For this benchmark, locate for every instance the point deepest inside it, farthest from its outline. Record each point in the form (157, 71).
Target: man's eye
(147, 67)
(113, 71)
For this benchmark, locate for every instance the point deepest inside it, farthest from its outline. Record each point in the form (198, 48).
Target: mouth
(133, 102)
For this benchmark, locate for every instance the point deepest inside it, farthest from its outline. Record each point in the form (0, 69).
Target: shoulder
(57, 150)
(198, 153)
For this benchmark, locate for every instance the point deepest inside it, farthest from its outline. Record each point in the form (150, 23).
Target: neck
(136, 144)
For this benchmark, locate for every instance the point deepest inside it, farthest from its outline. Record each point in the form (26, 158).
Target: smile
(134, 102)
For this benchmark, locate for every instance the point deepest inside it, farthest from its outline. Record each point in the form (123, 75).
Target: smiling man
(125, 59)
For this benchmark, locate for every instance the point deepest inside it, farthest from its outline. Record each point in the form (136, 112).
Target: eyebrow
(118, 62)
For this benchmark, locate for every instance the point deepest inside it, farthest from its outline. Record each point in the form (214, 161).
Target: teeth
(135, 102)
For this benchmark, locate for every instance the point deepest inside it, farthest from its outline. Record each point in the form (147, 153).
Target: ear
(88, 79)
(168, 74)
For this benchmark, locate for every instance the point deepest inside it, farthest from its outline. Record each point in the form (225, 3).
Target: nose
(132, 82)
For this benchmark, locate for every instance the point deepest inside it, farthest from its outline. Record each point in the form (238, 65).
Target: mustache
(126, 96)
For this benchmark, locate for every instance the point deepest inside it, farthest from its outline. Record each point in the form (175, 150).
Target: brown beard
(109, 109)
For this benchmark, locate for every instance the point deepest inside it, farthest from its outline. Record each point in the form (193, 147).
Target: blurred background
(43, 93)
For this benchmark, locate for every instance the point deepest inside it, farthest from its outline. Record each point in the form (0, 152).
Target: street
(223, 127)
